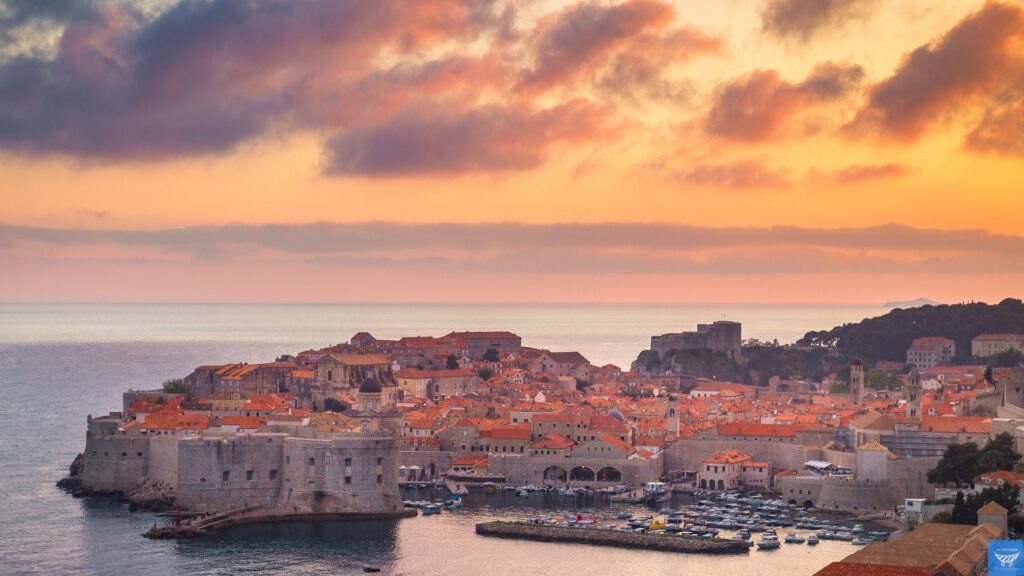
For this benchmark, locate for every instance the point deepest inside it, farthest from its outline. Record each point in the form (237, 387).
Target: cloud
(737, 174)
(973, 65)
(761, 106)
(802, 19)
(861, 172)
(184, 78)
(608, 248)
(484, 139)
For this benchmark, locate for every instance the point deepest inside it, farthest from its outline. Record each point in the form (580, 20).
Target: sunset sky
(486, 150)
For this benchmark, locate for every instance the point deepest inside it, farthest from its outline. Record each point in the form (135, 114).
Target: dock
(196, 527)
(614, 538)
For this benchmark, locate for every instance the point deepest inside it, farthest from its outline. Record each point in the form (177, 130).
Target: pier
(197, 527)
(604, 537)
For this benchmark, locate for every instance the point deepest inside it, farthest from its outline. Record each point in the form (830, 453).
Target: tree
(959, 512)
(965, 510)
(998, 454)
(959, 465)
(988, 375)
(485, 373)
(333, 405)
(1007, 359)
(882, 380)
(491, 355)
(175, 386)
(452, 363)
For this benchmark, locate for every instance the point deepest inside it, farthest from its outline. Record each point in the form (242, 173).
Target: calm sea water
(59, 363)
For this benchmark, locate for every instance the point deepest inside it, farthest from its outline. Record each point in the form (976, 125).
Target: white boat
(524, 493)
(657, 492)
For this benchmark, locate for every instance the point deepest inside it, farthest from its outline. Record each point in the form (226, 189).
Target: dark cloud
(132, 82)
(738, 174)
(483, 139)
(762, 106)
(861, 172)
(971, 66)
(801, 19)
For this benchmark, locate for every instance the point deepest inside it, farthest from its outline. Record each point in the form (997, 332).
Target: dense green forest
(887, 337)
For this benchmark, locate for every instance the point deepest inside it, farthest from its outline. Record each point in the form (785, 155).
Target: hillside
(887, 337)
(760, 364)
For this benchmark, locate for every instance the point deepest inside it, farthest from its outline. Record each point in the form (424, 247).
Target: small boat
(657, 524)
(666, 511)
(657, 493)
(857, 528)
(490, 488)
(768, 544)
(624, 516)
(674, 520)
(858, 541)
(792, 538)
(812, 540)
(430, 509)
(524, 493)
(672, 529)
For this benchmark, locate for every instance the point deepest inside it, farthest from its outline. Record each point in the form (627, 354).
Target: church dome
(369, 386)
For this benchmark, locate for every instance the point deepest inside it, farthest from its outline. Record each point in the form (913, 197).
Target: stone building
(286, 468)
(478, 343)
(720, 336)
(930, 351)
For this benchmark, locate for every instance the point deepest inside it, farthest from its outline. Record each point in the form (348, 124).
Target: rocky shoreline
(602, 537)
(149, 497)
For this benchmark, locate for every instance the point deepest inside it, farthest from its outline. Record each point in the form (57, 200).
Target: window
(138, 454)
(312, 461)
(273, 474)
(249, 475)
(226, 476)
(287, 459)
(380, 479)
(348, 461)
(348, 480)
(202, 480)
(380, 461)
(124, 454)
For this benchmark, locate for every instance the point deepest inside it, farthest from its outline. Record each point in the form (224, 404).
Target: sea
(60, 363)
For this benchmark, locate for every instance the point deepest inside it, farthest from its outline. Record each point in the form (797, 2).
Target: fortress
(290, 469)
(721, 336)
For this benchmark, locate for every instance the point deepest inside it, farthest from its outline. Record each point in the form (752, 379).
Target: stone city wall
(115, 462)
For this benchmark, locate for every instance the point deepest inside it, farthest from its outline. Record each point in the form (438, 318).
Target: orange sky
(788, 150)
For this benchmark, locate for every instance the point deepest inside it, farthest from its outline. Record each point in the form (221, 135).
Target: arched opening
(721, 484)
(792, 502)
(609, 474)
(555, 474)
(703, 484)
(581, 473)
(808, 504)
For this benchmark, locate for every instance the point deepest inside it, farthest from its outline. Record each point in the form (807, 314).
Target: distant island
(915, 303)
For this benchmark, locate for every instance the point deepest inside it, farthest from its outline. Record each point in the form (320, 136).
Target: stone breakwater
(602, 537)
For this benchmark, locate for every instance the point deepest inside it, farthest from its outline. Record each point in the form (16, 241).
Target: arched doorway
(721, 484)
(555, 474)
(703, 484)
(808, 504)
(582, 474)
(609, 474)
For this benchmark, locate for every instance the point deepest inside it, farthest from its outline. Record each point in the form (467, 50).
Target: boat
(657, 493)
(672, 529)
(490, 488)
(768, 544)
(858, 541)
(657, 524)
(857, 528)
(812, 540)
(792, 538)
(674, 520)
(524, 493)
(666, 511)
(624, 516)
(430, 509)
